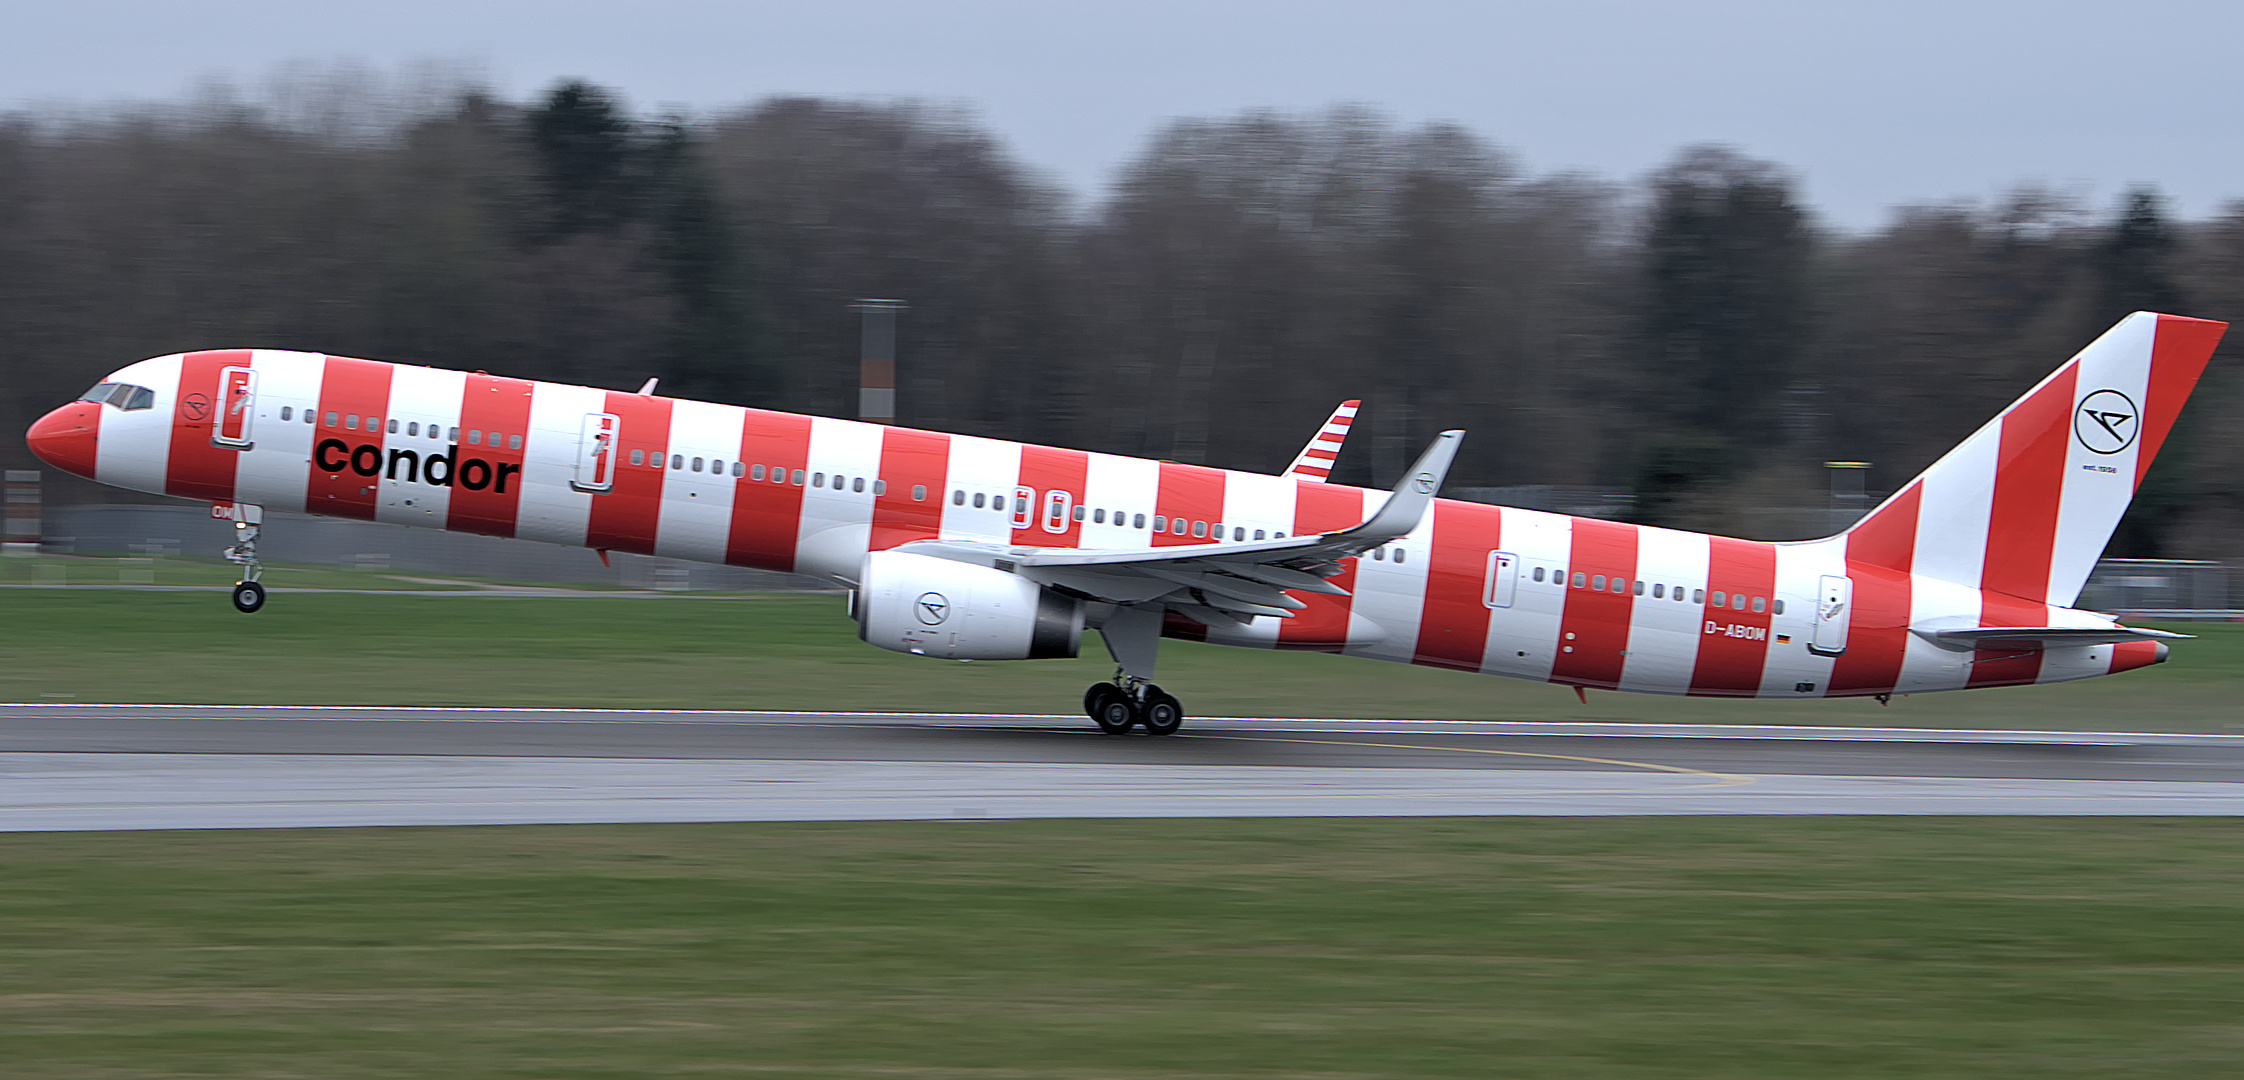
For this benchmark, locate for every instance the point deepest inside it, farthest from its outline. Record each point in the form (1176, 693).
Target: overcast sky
(1871, 104)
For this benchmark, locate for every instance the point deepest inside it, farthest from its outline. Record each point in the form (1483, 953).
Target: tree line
(1694, 338)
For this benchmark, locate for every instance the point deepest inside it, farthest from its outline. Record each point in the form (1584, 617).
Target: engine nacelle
(958, 611)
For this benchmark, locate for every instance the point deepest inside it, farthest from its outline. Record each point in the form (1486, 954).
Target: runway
(77, 767)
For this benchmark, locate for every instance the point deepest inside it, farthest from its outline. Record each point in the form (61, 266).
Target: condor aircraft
(969, 548)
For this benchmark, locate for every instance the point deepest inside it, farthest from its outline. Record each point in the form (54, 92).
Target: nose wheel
(248, 596)
(1133, 703)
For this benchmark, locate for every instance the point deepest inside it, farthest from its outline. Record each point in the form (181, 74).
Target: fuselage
(1502, 591)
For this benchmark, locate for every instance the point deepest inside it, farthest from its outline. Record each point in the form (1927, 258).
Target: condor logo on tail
(365, 459)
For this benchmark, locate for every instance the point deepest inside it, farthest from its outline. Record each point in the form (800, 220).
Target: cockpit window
(125, 396)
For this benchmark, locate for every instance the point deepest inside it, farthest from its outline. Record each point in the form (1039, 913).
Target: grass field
(1328, 949)
(800, 652)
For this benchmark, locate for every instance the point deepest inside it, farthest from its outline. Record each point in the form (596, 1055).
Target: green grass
(800, 652)
(1328, 949)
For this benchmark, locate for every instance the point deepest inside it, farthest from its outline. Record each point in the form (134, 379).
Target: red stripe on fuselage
(1188, 493)
(767, 514)
(624, 517)
(910, 460)
(197, 469)
(487, 477)
(1879, 557)
(1733, 638)
(1323, 625)
(2029, 487)
(1593, 631)
(1044, 470)
(1453, 628)
(349, 388)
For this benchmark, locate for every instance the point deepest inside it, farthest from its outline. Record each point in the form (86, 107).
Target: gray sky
(1872, 104)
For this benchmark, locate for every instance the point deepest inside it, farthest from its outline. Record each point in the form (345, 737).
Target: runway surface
(65, 767)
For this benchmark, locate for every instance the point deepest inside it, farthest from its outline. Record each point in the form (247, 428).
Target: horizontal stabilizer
(2041, 637)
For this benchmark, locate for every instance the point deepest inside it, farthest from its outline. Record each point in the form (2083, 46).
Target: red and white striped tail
(1315, 460)
(2025, 505)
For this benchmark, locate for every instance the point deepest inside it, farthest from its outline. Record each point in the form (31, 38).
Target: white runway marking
(42, 792)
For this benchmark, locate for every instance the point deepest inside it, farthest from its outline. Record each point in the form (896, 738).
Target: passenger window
(351, 421)
(1079, 513)
(1777, 606)
(455, 435)
(1098, 517)
(1659, 592)
(1639, 588)
(880, 487)
(1140, 522)
(1199, 528)
(1581, 580)
(1399, 552)
(1258, 534)
(697, 464)
(475, 437)
(797, 478)
(1698, 596)
(373, 423)
(739, 469)
(1721, 599)
(1160, 524)
(393, 425)
(980, 500)
(1597, 584)
(1538, 573)
(1759, 603)
(413, 428)
(919, 492)
(958, 498)
(638, 457)
(756, 473)
(818, 479)
(1238, 533)
(857, 484)
(285, 414)
(330, 419)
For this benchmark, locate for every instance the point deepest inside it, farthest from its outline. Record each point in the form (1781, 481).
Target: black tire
(1091, 697)
(249, 597)
(1162, 714)
(1114, 712)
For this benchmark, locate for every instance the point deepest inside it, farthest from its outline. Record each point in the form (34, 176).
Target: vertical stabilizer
(2026, 504)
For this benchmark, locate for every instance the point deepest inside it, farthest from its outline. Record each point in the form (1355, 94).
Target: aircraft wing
(1315, 460)
(1223, 582)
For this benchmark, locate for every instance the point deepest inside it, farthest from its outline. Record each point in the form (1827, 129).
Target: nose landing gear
(249, 595)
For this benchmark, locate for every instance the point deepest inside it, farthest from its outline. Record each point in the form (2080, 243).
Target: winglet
(1315, 460)
(1407, 506)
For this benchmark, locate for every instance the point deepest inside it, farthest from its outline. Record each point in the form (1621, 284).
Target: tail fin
(2026, 504)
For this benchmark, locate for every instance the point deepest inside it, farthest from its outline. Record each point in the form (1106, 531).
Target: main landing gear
(1128, 701)
(249, 596)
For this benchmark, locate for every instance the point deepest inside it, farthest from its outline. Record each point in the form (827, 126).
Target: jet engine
(959, 611)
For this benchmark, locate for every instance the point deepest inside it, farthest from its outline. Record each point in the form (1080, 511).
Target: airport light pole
(876, 369)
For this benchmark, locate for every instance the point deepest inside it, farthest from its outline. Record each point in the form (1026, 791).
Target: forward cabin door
(1833, 605)
(596, 453)
(1503, 579)
(237, 403)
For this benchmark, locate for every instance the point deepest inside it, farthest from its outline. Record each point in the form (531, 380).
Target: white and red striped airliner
(970, 548)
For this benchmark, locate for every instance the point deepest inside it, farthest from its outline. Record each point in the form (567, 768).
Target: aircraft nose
(65, 438)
